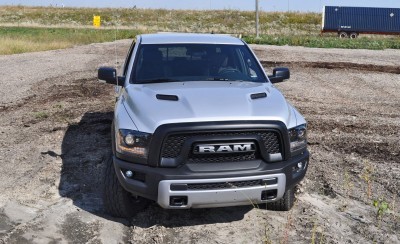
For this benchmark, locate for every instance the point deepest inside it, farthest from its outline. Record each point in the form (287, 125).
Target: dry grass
(13, 46)
(66, 27)
(153, 20)
(15, 40)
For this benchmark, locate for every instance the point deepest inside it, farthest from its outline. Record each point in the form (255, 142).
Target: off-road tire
(285, 203)
(117, 201)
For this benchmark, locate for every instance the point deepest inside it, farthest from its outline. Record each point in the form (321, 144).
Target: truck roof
(171, 38)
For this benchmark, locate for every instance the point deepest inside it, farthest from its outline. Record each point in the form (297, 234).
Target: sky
(265, 5)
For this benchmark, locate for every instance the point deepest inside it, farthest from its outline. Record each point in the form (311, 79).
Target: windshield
(195, 62)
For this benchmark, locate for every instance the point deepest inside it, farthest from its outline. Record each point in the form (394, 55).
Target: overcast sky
(265, 5)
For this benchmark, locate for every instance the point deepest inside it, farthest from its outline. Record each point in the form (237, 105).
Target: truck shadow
(85, 147)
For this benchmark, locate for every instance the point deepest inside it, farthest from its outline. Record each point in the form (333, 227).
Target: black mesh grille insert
(224, 185)
(174, 143)
(217, 158)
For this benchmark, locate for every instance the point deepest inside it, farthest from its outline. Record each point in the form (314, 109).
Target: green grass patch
(326, 42)
(41, 115)
(23, 39)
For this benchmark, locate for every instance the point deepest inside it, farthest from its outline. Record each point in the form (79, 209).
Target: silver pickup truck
(199, 124)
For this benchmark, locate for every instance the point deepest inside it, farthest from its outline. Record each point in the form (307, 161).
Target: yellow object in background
(96, 21)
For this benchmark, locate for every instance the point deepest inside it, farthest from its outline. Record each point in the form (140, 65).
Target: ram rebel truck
(199, 124)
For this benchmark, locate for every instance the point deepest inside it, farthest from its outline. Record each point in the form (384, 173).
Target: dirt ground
(55, 134)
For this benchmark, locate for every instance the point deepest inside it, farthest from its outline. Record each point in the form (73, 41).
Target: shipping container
(352, 21)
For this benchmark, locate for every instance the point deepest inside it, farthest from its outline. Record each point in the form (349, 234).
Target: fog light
(300, 165)
(128, 173)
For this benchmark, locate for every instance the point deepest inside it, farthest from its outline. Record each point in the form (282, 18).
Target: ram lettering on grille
(225, 148)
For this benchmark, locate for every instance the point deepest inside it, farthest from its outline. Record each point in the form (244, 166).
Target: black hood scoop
(258, 95)
(167, 97)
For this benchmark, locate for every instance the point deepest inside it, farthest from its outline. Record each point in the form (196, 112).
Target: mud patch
(76, 231)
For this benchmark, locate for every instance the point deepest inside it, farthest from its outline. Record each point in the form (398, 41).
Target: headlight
(133, 143)
(298, 137)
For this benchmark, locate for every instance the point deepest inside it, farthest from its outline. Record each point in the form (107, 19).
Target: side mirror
(109, 75)
(279, 74)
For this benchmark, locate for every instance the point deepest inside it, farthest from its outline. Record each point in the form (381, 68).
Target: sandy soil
(55, 133)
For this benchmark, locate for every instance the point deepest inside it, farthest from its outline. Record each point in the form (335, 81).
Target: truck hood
(204, 101)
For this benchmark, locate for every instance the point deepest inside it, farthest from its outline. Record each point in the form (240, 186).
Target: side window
(249, 66)
(128, 58)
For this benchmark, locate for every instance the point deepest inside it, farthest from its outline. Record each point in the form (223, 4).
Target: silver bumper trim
(220, 197)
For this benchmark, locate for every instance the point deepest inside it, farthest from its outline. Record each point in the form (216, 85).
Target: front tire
(117, 201)
(285, 203)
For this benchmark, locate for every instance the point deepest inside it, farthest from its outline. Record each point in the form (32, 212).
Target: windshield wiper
(221, 79)
(158, 80)
(218, 79)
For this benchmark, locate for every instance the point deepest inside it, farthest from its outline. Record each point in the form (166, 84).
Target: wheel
(343, 34)
(117, 201)
(353, 35)
(285, 203)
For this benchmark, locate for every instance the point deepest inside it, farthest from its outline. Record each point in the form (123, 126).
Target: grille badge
(219, 148)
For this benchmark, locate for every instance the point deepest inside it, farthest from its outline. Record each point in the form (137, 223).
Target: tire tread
(285, 203)
(117, 201)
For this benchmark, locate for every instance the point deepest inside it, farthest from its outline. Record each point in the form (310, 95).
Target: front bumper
(213, 185)
(207, 198)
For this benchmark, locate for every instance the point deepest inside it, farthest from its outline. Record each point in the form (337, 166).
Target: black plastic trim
(179, 187)
(153, 176)
(163, 131)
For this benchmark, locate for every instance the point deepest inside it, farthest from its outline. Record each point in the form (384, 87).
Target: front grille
(218, 158)
(224, 185)
(174, 143)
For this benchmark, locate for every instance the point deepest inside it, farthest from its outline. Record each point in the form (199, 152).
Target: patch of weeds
(381, 208)
(347, 184)
(366, 175)
(267, 239)
(317, 236)
(41, 115)
(58, 106)
(347, 188)
(64, 116)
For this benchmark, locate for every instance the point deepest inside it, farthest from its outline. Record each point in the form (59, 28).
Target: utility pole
(257, 20)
